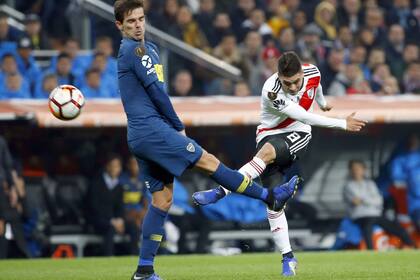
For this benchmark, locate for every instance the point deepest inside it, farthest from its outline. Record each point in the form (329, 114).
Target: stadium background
(369, 64)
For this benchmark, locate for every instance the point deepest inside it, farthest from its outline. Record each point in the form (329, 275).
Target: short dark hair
(7, 55)
(92, 71)
(71, 39)
(123, 7)
(356, 161)
(63, 55)
(289, 64)
(98, 53)
(111, 156)
(103, 39)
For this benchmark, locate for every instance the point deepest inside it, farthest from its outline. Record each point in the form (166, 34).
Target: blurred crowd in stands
(360, 47)
(99, 193)
(55, 190)
(366, 47)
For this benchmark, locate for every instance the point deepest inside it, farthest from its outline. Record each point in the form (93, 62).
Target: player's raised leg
(277, 219)
(253, 169)
(234, 181)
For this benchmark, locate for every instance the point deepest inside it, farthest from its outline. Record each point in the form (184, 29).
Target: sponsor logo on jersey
(272, 95)
(146, 61)
(278, 103)
(150, 71)
(190, 148)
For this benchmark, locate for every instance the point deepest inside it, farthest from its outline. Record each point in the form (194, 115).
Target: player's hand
(13, 197)
(118, 225)
(354, 124)
(326, 108)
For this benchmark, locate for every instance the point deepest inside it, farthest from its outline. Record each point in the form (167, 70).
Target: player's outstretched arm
(296, 112)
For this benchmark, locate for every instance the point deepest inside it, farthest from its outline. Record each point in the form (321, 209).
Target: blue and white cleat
(137, 276)
(289, 266)
(278, 196)
(208, 197)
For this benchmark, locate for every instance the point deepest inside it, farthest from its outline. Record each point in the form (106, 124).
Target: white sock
(280, 230)
(252, 169)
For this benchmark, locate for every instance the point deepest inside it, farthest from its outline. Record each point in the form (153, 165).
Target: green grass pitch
(313, 265)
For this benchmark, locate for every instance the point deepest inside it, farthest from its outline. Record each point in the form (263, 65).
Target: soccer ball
(66, 102)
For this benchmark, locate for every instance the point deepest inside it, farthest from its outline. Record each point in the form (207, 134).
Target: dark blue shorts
(163, 153)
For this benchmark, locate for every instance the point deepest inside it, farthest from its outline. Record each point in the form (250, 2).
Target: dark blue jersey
(142, 89)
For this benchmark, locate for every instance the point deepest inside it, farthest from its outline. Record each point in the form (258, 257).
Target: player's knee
(162, 199)
(267, 153)
(208, 163)
(162, 204)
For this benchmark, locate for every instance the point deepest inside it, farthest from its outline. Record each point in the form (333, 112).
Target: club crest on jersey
(311, 93)
(272, 95)
(146, 61)
(140, 51)
(190, 148)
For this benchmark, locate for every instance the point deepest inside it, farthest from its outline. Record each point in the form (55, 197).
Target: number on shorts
(293, 137)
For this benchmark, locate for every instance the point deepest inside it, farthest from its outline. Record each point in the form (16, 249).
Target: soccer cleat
(278, 196)
(138, 276)
(289, 266)
(208, 197)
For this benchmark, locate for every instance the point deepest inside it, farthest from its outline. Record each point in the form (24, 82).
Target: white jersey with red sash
(276, 104)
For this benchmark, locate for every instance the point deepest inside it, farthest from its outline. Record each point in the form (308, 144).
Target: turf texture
(312, 265)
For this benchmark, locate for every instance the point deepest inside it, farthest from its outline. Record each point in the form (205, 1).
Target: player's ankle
(222, 191)
(145, 269)
(288, 255)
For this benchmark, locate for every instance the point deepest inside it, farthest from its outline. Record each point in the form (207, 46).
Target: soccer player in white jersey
(287, 102)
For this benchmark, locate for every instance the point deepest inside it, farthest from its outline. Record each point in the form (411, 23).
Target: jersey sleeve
(296, 112)
(271, 96)
(319, 97)
(275, 100)
(143, 67)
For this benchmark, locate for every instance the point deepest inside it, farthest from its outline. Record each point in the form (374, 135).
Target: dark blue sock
(236, 182)
(151, 236)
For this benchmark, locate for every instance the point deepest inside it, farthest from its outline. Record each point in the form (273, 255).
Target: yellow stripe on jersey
(245, 183)
(159, 72)
(156, 237)
(132, 197)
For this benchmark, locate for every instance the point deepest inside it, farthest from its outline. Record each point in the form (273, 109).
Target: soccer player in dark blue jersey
(157, 138)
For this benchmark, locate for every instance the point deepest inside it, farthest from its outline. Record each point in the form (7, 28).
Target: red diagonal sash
(305, 102)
